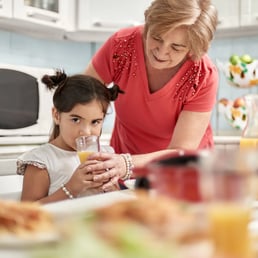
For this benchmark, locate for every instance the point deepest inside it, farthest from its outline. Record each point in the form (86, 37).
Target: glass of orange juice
(249, 143)
(228, 184)
(86, 145)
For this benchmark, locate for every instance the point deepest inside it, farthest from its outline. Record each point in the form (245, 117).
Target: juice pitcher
(249, 139)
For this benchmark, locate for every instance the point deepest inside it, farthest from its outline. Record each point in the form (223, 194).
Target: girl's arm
(36, 185)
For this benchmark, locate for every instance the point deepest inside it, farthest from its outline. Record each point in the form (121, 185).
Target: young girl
(53, 171)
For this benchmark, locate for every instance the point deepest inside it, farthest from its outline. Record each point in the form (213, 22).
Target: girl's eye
(96, 122)
(76, 120)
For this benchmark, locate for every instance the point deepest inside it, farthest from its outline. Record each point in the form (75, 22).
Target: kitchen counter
(83, 204)
(226, 139)
(11, 149)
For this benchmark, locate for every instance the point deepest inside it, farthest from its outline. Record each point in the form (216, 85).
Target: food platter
(14, 241)
(74, 207)
(26, 224)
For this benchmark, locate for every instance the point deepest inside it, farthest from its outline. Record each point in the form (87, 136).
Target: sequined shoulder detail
(21, 165)
(125, 55)
(189, 82)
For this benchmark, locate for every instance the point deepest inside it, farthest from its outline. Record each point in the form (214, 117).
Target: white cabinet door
(52, 13)
(112, 14)
(98, 19)
(249, 12)
(228, 12)
(6, 8)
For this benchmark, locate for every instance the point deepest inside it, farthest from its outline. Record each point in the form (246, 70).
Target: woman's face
(166, 50)
(82, 120)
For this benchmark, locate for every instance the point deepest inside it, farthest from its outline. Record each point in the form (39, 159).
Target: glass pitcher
(249, 137)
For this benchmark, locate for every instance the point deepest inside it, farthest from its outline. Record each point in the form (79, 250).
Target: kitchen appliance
(25, 105)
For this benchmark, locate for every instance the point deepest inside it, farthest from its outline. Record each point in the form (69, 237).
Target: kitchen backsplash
(73, 57)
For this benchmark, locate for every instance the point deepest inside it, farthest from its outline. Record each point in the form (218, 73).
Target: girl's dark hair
(78, 89)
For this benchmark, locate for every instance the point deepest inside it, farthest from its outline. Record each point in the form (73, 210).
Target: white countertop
(226, 139)
(83, 204)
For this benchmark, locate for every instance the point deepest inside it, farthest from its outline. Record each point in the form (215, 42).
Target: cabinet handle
(41, 16)
(111, 24)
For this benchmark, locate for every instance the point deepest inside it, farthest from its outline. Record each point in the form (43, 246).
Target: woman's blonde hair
(198, 17)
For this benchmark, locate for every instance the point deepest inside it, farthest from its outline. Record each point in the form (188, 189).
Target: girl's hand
(82, 180)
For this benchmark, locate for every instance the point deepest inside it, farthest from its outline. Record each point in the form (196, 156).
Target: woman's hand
(108, 170)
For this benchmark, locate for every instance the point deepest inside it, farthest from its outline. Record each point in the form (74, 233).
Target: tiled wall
(74, 56)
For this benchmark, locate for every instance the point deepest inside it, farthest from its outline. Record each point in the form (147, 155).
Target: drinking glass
(86, 145)
(227, 188)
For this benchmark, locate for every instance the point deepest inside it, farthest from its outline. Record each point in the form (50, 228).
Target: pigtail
(53, 81)
(114, 91)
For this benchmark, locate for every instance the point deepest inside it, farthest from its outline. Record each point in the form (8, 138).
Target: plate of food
(145, 227)
(25, 224)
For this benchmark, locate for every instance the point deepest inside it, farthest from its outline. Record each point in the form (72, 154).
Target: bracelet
(66, 191)
(129, 166)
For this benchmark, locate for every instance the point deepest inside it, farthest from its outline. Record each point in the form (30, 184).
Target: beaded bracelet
(129, 166)
(67, 193)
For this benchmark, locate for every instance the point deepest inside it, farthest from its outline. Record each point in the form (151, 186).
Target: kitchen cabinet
(237, 17)
(98, 19)
(40, 17)
(5, 8)
(228, 12)
(52, 13)
(249, 12)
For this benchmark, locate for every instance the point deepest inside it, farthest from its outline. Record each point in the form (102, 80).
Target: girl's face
(166, 50)
(82, 120)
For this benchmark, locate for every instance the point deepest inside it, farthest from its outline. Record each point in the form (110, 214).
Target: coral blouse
(145, 121)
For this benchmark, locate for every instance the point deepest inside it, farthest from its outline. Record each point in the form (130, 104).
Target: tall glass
(86, 145)
(227, 186)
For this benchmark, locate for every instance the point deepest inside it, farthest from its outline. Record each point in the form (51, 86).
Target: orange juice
(229, 230)
(248, 143)
(83, 155)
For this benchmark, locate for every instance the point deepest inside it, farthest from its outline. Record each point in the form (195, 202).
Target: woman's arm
(189, 130)
(188, 133)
